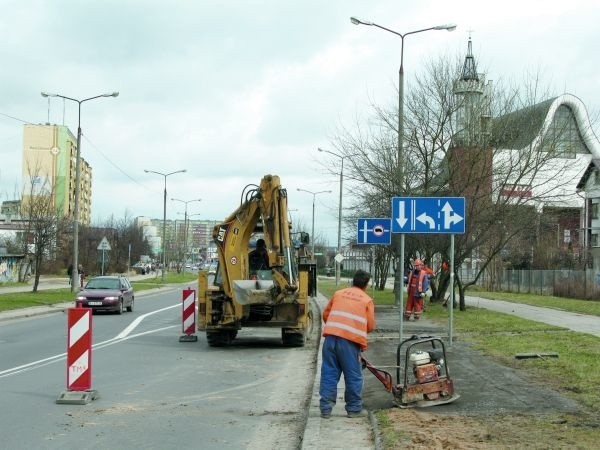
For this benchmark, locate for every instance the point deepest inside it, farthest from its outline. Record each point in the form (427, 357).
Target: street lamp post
(185, 222)
(164, 237)
(189, 216)
(339, 241)
(399, 249)
(312, 237)
(75, 271)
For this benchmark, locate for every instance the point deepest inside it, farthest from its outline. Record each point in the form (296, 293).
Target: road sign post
(433, 215)
(104, 246)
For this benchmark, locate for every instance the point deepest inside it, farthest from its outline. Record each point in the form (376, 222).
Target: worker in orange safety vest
(417, 285)
(348, 317)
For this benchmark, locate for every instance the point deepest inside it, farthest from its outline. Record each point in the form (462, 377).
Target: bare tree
(494, 160)
(43, 223)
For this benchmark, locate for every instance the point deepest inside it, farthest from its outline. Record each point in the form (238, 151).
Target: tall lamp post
(185, 222)
(339, 241)
(312, 237)
(195, 257)
(164, 236)
(399, 250)
(75, 271)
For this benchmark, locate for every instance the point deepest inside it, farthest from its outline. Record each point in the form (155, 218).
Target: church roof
(527, 126)
(594, 164)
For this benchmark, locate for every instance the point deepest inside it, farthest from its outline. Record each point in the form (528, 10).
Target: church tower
(473, 97)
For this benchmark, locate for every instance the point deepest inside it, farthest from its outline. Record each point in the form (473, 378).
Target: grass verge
(575, 374)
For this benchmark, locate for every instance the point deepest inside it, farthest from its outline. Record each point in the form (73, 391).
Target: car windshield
(102, 283)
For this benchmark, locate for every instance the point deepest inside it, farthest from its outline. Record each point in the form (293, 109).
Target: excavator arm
(264, 208)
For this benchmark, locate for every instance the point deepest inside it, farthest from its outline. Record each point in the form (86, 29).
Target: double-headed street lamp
(398, 279)
(164, 237)
(185, 224)
(448, 27)
(312, 237)
(339, 241)
(75, 271)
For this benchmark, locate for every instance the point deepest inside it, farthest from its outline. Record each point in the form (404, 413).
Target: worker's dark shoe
(357, 414)
(326, 415)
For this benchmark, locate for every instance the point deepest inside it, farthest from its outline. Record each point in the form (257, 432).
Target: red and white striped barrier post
(189, 316)
(79, 358)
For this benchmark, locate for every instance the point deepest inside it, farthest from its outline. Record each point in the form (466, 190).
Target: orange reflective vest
(422, 274)
(350, 314)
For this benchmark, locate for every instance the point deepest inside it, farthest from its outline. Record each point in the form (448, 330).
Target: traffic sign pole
(104, 246)
(451, 309)
(401, 296)
(434, 215)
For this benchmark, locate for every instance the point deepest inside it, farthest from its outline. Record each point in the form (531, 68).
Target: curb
(327, 433)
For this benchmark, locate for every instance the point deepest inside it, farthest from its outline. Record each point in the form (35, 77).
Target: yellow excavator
(274, 294)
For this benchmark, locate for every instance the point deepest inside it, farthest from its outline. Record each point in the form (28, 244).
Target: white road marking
(122, 336)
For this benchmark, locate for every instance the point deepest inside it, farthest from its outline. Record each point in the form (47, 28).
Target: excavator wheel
(292, 339)
(220, 338)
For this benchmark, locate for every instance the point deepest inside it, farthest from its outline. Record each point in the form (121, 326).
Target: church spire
(473, 100)
(469, 68)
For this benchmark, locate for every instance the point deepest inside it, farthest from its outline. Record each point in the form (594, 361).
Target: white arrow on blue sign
(428, 215)
(374, 231)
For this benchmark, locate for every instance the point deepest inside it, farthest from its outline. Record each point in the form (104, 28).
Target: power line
(15, 118)
(114, 164)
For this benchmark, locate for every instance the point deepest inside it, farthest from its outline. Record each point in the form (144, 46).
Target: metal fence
(583, 284)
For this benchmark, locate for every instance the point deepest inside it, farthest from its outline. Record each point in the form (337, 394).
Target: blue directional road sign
(374, 231)
(428, 215)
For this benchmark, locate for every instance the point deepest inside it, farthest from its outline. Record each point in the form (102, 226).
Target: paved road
(155, 392)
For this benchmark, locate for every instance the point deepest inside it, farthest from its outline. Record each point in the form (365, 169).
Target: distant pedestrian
(348, 317)
(70, 273)
(418, 283)
(81, 274)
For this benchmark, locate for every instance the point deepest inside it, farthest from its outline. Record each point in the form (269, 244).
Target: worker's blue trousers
(339, 356)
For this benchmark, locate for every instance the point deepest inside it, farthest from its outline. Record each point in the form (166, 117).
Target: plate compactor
(422, 376)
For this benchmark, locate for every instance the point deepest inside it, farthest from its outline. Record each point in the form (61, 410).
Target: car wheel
(120, 310)
(130, 307)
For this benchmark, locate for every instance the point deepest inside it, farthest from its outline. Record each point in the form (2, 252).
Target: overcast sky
(233, 90)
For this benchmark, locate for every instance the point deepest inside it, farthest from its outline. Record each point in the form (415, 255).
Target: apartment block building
(48, 166)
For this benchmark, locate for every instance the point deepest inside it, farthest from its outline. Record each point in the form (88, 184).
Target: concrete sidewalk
(573, 321)
(339, 431)
(54, 282)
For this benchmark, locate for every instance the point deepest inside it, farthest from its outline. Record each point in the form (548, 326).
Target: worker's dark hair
(361, 279)
(260, 243)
